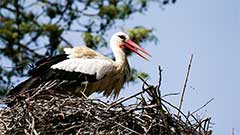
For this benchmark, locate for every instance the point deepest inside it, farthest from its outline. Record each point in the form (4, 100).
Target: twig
(199, 123)
(128, 128)
(170, 94)
(185, 84)
(157, 91)
(67, 43)
(202, 106)
(160, 80)
(33, 131)
(30, 50)
(26, 132)
(149, 127)
(206, 124)
(83, 91)
(125, 99)
(144, 82)
(4, 124)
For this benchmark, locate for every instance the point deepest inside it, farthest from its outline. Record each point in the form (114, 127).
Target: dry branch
(185, 83)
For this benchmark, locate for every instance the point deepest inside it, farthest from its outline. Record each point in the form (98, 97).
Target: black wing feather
(56, 74)
(44, 64)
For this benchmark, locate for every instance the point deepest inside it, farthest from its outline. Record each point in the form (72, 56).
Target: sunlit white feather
(86, 66)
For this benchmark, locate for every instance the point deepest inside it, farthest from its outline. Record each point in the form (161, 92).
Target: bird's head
(122, 40)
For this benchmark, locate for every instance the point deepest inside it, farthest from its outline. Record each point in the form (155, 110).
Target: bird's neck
(120, 56)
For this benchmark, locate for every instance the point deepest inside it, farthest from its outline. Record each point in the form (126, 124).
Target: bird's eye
(122, 37)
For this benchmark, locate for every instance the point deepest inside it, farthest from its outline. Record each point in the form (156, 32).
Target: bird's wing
(83, 66)
(83, 52)
(70, 53)
(44, 64)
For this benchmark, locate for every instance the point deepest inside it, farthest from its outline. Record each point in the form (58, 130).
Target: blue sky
(211, 31)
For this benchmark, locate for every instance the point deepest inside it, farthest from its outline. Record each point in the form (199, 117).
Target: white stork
(82, 69)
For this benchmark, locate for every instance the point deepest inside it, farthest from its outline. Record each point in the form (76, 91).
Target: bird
(83, 71)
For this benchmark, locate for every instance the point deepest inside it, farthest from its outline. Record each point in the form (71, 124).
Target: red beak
(135, 47)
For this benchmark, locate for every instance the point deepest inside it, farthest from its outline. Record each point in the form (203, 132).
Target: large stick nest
(48, 112)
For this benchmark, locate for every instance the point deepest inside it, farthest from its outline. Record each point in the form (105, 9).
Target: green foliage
(143, 75)
(136, 74)
(93, 40)
(140, 34)
(31, 30)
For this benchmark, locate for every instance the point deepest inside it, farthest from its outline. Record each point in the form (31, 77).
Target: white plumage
(87, 66)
